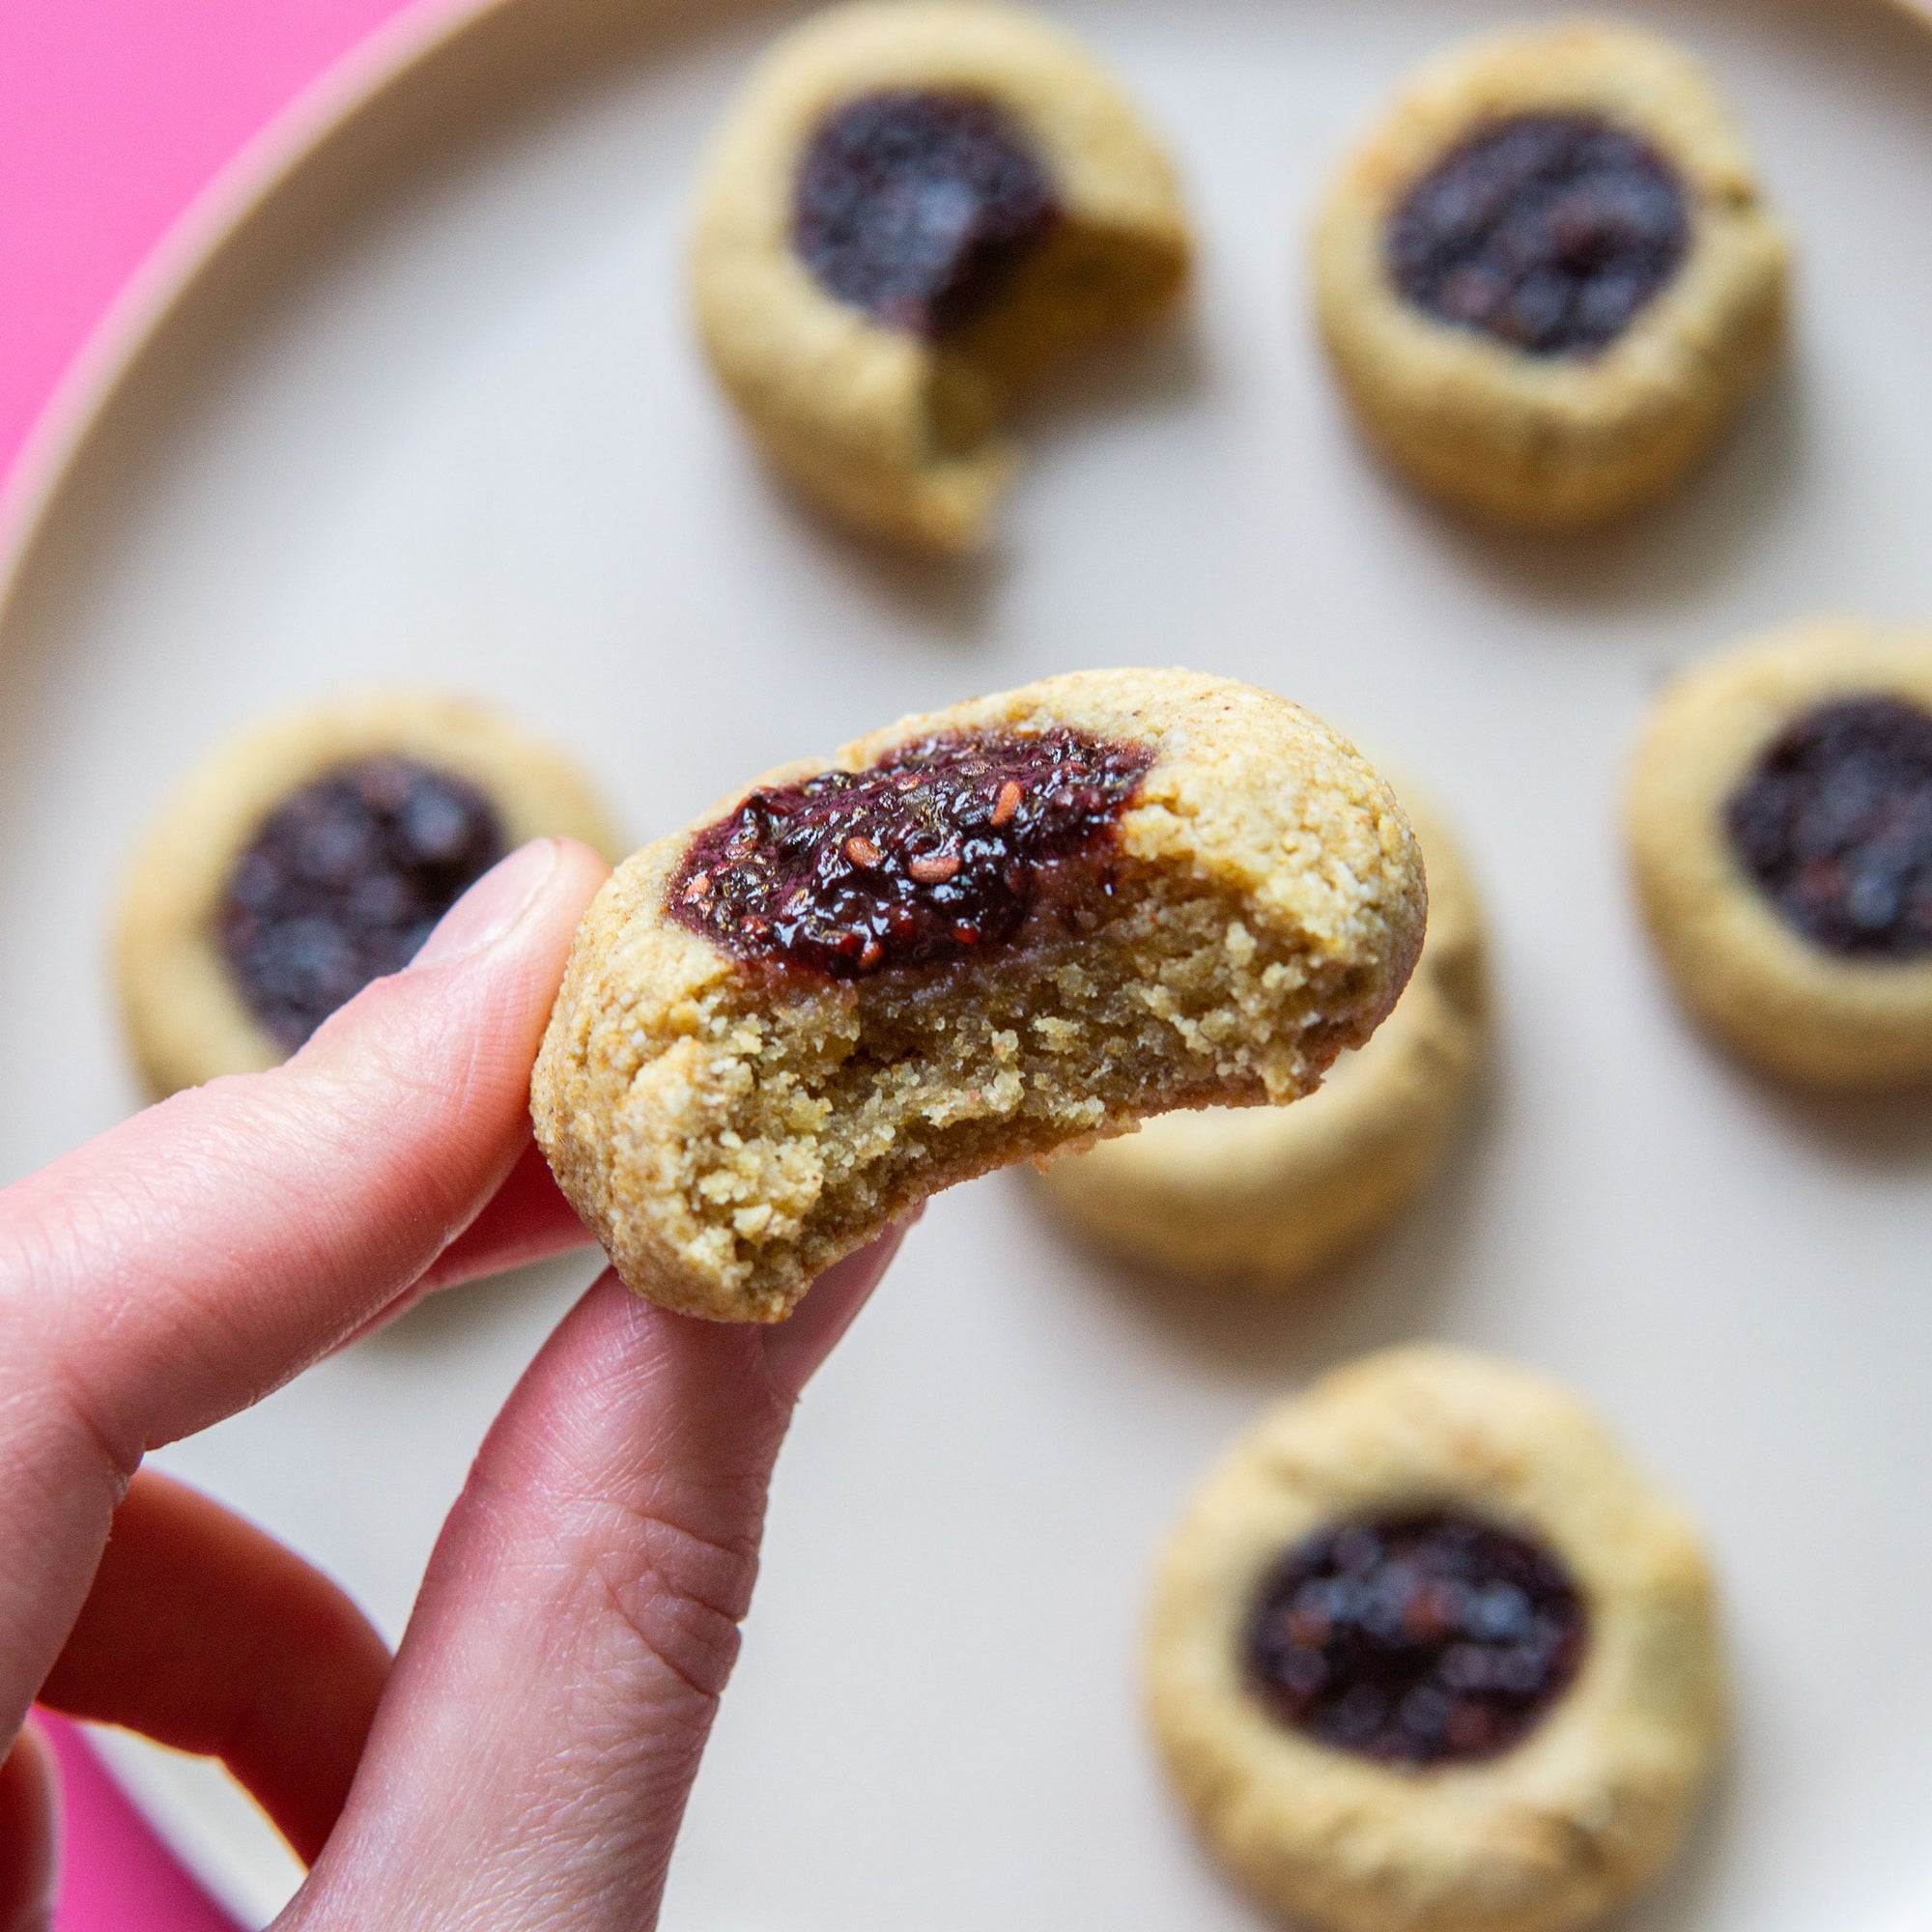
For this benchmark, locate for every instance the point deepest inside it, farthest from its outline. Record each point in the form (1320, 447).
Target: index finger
(182, 1267)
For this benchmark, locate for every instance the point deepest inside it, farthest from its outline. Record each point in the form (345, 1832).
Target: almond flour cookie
(914, 211)
(1267, 1194)
(1426, 1655)
(1547, 280)
(312, 855)
(963, 941)
(1780, 821)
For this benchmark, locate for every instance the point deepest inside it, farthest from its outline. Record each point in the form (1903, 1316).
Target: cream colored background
(434, 414)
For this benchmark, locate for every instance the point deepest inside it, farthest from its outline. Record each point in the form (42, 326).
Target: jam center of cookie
(1414, 1640)
(1549, 232)
(1835, 823)
(915, 207)
(943, 849)
(343, 883)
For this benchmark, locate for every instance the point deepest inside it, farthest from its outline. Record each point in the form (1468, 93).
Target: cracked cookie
(913, 212)
(312, 855)
(1428, 1654)
(1779, 822)
(1547, 280)
(965, 941)
(1266, 1195)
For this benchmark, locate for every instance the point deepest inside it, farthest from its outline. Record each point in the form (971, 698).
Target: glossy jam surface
(1415, 1640)
(941, 850)
(915, 207)
(1835, 823)
(343, 883)
(1549, 232)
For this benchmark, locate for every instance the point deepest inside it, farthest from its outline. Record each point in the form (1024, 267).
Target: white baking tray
(414, 398)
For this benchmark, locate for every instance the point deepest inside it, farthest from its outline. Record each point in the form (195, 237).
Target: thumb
(529, 1764)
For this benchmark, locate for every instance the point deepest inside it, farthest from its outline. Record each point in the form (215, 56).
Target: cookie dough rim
(184, 1019)
(1520, 1842)
(1554, 442)
(628, 942)
(850, 432)
(1773, 996)
(1291, 1189)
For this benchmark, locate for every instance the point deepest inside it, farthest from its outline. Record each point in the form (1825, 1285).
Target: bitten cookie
(311, 855)
(962, 942)
(913, 211)
(1780, 819)
(1547, 279)
(1267, 1194)
(1426, 1655)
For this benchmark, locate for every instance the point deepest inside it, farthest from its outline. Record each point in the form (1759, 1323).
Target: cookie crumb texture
(1547, 279)
(1264, 1196)
(1226, 899)
(913, 216)
(1427, 1654)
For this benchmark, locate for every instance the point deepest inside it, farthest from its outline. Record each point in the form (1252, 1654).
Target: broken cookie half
(969, 939)
(914, 211)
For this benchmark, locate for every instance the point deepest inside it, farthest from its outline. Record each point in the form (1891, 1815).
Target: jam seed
(934, 869)
(863, 852)
(699, 887)
(1007, 803)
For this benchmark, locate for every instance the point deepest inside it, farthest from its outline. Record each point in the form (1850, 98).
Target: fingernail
(491, 906)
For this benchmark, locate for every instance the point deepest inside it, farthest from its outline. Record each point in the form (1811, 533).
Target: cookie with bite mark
(914, 213)
(966, 940)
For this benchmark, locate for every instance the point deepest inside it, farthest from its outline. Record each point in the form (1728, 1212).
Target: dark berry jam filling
(1415, 1640)
(1835, 823)
(916, 207)
(943, 849)
(343, 883)
(1549, 232)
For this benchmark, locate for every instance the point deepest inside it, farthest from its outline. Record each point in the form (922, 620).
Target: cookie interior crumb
(1166, 1005)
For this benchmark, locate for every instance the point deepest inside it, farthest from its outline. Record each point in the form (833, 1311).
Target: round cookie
(1547, 280)
(308, 856)
(1779, 821)
(965, 941)
(913, 211)
(1266, 1195)
(1428, 1654)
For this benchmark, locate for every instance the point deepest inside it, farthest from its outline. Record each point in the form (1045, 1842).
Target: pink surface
(116, 1873)
(113, 114)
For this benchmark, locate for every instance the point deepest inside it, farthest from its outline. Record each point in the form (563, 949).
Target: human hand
(526, 1759)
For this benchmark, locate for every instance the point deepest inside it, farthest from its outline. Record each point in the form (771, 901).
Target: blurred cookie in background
(1779, 821)
(1547, 280)
(1266, 1195)
(313, 854)
(912, 213)
(1426, 1652)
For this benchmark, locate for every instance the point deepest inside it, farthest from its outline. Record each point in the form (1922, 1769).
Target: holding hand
(525, 1760)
